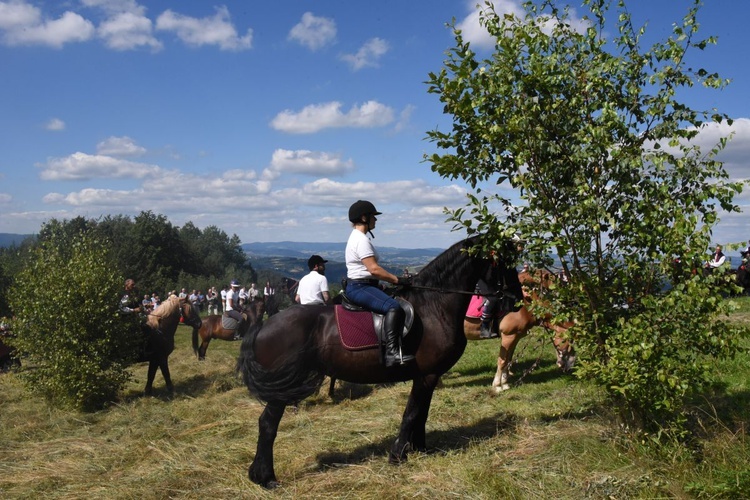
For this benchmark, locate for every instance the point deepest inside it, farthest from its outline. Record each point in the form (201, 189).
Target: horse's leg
(164, 366)
(153, 364)
(412, 430)
(204, 347)
(332, 387)
(500, 382)
(261, 469)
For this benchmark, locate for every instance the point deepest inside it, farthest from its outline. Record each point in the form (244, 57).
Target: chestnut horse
(211, 327)
(162, 324)
(287, 359)
(515, 325)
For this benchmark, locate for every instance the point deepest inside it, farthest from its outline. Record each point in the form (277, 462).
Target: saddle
(361, 329)
(229, 323)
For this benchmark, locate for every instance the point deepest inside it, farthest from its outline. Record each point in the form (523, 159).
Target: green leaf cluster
(66, 325)
(573, 136)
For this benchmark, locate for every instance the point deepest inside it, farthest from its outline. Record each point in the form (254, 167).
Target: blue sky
(266, 119)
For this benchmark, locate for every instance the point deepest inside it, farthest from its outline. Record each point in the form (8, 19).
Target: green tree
(67, 326)
(588, 133)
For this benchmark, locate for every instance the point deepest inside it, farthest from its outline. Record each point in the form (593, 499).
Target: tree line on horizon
(148, 248)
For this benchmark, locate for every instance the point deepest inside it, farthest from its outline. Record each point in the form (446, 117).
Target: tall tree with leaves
(578, 143)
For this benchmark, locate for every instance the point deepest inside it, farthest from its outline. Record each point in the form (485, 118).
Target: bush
(67, 325)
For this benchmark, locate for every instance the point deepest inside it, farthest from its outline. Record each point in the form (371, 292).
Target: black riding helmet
(360, 208)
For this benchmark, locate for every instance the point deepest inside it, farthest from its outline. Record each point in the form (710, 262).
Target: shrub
(67, 325)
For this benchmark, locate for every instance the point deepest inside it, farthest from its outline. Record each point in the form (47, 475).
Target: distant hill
(289, 258)
(9, 239)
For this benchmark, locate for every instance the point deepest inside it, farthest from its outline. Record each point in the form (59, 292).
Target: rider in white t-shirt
(363, 273)
(313, 287)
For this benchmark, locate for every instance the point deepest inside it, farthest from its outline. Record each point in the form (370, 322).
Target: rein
(449, 290)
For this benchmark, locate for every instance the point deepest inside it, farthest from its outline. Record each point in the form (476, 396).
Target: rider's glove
(404, 281)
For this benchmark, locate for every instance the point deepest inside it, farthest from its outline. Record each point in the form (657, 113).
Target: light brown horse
(515, 325)
(162, 324)
(211, 327)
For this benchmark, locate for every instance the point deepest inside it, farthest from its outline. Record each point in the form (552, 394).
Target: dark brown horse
(515, 325)
(162, 324)
(211, 327)
(287, 359)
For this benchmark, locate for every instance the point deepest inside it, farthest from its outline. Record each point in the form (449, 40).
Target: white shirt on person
(311, 287)
(232, 301)
(358, 247)
(717, 261)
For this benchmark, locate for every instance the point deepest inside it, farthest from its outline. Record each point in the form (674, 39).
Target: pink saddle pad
(475, 307)
(356, 329)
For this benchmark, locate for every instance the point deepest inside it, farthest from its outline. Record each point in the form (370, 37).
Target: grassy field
(550, 437)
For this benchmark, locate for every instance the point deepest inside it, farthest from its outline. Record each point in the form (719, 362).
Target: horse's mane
(166, 308)
(437, 269)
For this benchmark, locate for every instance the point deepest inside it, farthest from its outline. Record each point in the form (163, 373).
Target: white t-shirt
(232, 301)
(311, 288)
(357, 248)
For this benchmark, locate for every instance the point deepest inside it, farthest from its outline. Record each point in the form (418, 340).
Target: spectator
(223, 294)
(268, 290)
(213, 301)
(194, 299)
(183, 294)
(717, 260)
(147, 304)
(313, 287)
(252, 292)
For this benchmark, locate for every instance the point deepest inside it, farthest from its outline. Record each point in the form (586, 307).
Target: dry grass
(549, 438)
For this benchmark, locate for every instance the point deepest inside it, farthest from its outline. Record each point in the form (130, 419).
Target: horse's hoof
(270, 485)
(500, 388)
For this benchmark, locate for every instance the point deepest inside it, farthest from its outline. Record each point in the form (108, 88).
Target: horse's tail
(291, 379)
(196, 343)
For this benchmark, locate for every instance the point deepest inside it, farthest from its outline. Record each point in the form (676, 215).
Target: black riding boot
(485, 329)
(393, 325)
(240, 326)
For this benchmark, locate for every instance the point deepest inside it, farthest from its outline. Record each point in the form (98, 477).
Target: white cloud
(116, 6)
(404, 118)
(313, 32)
(478, 36)
(17, 14)
(22, 24)
(368, 55)
(82, 166)
(109, 198)
(217, 30)
(55, 125)
(5, 198)
(127, 30)
(317, 117)
(315, 163)
(119, 146)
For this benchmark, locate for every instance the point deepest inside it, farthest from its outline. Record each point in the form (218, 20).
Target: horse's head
(255, 310)
(566, 357)
(190, 314)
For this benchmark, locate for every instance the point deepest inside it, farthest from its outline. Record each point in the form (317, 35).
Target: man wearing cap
(313, 287)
